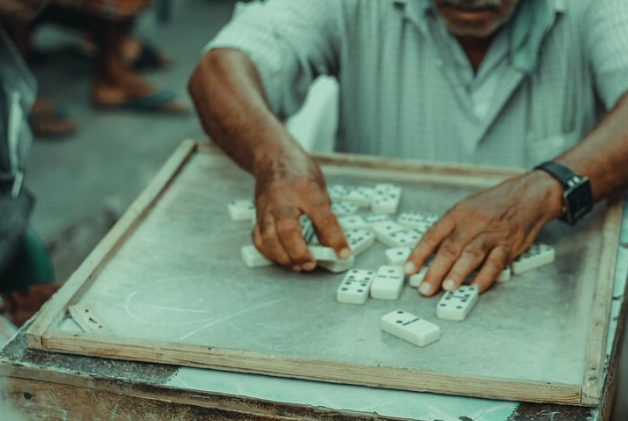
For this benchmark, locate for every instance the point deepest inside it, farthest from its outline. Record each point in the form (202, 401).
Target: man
(499, 82)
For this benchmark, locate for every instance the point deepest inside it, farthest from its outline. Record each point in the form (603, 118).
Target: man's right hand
(290, 185)
(228, 94)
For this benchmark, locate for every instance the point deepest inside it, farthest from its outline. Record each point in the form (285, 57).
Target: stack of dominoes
(388, 281)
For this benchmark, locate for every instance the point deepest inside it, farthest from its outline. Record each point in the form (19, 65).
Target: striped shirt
(407, 89)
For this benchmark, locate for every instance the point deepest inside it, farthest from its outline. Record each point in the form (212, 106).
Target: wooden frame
(41, 334)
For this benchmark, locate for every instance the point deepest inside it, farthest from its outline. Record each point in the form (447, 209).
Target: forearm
(603, 154)
(229, 98)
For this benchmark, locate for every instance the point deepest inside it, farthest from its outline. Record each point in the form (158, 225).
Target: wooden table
(54, 386)
(50, 386)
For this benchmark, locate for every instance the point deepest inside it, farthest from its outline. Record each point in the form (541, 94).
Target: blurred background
(112, 154)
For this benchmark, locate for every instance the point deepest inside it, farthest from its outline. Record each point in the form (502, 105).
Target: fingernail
(449, 285)
(309, 266)
(345, 253)
(409, 268)
(425, 288)
(297, 268)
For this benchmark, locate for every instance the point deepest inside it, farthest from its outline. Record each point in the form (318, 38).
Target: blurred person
(116, 83)
(17, 93)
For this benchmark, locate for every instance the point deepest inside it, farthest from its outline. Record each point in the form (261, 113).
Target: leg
(45, 119)
(115, 82)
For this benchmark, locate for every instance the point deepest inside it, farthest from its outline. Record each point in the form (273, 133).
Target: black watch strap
(577, 196)
(561, 173)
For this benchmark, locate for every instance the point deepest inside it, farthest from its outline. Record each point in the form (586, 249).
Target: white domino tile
(456, 305)
(324, 254)
(338, 266)
(241, 210)
(355, 287)
(357, 195)
(397, 256)
(386, 198)
(410, 328)
(253, 258)
(505, 275)
(307, 229)
(388, 283)
(537, 255)
(344, 209)
(359, 240)
(394, 235)
(415, 280)
(417, 220)
(363, 220)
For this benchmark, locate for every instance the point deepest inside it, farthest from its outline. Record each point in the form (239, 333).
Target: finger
(446, 256)
(270, 245)
(291, 238)
(329, 232)
(470, 259)
(258, 242)
(428, 245)
(495, 263)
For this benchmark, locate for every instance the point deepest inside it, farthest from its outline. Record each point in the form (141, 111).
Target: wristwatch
(577, 197)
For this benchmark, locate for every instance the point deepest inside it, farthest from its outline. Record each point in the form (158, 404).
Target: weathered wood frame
(41, 334)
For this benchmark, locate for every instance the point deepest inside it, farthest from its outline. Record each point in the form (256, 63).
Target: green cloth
(31, 266)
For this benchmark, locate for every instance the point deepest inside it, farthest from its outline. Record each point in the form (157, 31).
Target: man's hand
(485, 232)
(287, 187)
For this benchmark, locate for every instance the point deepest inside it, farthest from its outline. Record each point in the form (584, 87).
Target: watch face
(578, 201)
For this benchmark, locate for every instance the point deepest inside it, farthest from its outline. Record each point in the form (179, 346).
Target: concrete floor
(115, 154)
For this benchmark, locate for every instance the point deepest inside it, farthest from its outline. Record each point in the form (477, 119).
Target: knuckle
(287, 228)
(268, 234)
(326, 219)
(285, 212)
(474, 253)
(428, 241)
(495, 262)
(449, 249)
(265, 226)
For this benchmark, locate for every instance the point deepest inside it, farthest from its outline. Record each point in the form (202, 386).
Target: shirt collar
(533, 19)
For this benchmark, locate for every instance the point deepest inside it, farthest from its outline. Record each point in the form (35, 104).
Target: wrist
(550, 194)
(278, 160)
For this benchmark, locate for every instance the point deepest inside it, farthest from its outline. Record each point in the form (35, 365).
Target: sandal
(48, 121)
(162, 101)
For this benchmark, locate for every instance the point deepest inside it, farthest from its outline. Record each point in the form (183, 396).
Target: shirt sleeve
(290, 42)
(606, 40)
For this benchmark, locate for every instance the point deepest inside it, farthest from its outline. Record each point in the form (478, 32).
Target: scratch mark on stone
(114, 413)
(230, 316)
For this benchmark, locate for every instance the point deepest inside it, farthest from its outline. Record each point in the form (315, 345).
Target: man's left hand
(485, 232)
